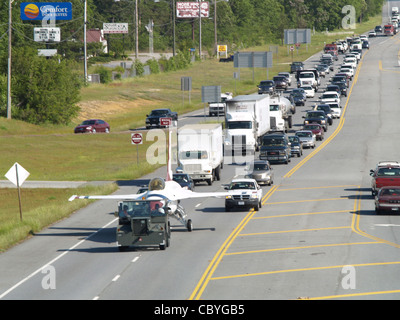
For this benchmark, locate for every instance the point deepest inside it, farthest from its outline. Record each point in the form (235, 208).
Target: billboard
(115, 27)
(191, 9)
(46, 11)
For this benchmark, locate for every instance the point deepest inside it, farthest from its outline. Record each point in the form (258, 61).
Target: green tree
(43, 90)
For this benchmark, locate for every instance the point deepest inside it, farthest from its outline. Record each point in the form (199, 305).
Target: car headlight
(254, 196)
(89, 128)
(323, 121)
(228, 197)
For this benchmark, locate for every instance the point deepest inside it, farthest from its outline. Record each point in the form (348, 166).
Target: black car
(327, 109)
(342, 86)
(296, 145)
(318, 117)
(184, 180)
(297, 65)
(298, 99)
(365, 44)
(266, 86)
(378, 29)
(333, 87)
(281, 82)
(153, 119)
(341, 78)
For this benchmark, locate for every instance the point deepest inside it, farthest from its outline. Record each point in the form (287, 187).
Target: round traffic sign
(137, 138)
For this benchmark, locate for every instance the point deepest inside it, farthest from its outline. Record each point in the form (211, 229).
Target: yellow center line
(303, 269)
(302, 247)
(301, 214)
(309, 200)
(355, 295)
(290, 231)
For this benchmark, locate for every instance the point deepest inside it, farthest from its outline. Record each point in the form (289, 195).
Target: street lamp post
(9, 61)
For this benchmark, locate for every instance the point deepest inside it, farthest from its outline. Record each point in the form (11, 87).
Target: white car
(329, 97)
(336, 110)
(347, 70)
(309, 90)
(350, 60)
(372, 34)
(243, 193)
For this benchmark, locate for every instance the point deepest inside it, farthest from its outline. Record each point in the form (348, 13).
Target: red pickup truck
(386, 173)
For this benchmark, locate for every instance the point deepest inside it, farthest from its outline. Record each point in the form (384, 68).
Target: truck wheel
(257, 207)
(218, 173)
(209, 182)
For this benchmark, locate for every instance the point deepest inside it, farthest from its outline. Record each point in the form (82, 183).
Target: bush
(105, 74)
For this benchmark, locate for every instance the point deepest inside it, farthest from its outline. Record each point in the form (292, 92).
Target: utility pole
(9, 61)
(136, 30)
(200, 28)
(85, 42)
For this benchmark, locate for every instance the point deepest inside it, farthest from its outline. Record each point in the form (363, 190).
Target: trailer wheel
(218, 173)
(189, 225)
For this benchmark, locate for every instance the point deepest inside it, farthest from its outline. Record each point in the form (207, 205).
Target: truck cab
(143, 224)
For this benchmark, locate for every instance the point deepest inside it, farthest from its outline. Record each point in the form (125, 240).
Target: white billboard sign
(191, 9)
(46, 34)
(115, 27)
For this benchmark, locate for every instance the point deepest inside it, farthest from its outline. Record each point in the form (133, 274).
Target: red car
(93, 126)
(388, 199)
(316, 129)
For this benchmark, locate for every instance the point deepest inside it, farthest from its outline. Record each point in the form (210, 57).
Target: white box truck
(200, 151)
(247, 119)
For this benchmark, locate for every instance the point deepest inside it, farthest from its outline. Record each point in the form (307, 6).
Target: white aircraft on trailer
(167, 190)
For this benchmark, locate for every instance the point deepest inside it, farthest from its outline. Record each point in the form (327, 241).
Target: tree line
(47, 90)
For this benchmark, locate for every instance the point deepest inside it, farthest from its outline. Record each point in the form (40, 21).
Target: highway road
(315, 237)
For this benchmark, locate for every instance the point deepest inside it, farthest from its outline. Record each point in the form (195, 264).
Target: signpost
(17, 175)
(115, 28)
(137, 138)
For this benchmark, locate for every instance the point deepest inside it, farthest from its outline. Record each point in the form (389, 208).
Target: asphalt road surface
(315, 237)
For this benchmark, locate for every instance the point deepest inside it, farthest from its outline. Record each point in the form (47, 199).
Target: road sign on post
(137, 138)
(17, 175)
(165, 122)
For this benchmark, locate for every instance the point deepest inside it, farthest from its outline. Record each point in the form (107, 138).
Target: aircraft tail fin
(169, 156)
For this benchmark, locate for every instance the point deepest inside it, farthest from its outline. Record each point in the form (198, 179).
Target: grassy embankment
(54, 153)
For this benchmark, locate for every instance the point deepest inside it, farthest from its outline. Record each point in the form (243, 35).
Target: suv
(276, 147)
(243, 193)
(295, 66)
(318, 117)
(266, 86)
(281, 82)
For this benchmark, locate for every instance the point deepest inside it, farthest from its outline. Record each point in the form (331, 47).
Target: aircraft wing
(137, 196)
(177, 195)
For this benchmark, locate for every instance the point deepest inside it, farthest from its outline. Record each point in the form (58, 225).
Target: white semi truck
(200, 151)
(247, 119)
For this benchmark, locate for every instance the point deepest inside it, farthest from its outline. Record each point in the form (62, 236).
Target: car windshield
(304, 134)
(388, 172)
(266, 83)
(88, 122)
(273, 142)
(185, 155)
(273, 107)
(239, 125)
(241, 185)
(390, 192)
(293, 139)
(312, 127)
(180, 178)
(279, 78)
(306, 75)
(158, 112)
(131, 209)
(329, 96)
(260, 166)
(314, 115)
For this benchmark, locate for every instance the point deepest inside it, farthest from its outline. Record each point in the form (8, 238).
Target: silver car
(307, 137)
(261, 171)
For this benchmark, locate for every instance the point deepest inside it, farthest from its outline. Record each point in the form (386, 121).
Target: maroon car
(93, 126)
(316, 129)
(388, 199)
